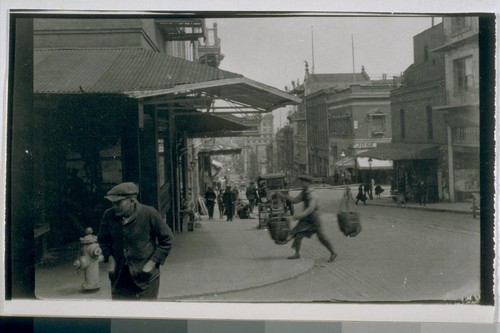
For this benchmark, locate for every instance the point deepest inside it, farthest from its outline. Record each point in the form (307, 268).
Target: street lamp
(342, 155)
(370, 180)
(370, 164)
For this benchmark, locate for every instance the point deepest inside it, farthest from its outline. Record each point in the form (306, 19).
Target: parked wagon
(270, 207)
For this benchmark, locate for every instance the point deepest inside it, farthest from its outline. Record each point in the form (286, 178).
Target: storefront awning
(228, 95)
(208, 125)
(345, 162)
(152, 77)
(402, 151)
(363, 163)
(219, 150)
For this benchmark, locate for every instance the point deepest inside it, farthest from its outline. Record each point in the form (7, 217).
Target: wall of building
(425, 42)
(96, 33)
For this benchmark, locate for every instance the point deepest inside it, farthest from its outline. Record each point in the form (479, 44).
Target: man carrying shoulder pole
(309, 220)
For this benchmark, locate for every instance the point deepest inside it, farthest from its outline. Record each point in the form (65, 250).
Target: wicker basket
(349, 223)
(279, 228)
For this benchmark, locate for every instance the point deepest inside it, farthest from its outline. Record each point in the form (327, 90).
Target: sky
(273, 50)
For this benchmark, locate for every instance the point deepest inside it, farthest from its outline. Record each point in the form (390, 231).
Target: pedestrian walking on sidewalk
(227, 199)
(135, 241)
(220, 203)
(252, 195)
(309, 220)
(210, 197)
(422, 193)
(361, 195)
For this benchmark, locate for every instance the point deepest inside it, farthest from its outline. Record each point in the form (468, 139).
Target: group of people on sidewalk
(366, 190)
(228, 202)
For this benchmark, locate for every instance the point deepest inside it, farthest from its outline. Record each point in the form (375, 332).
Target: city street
(401, 255)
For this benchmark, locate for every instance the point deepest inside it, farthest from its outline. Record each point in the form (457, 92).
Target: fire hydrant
(89, 259)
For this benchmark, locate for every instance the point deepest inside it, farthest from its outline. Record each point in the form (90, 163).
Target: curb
(426, 208)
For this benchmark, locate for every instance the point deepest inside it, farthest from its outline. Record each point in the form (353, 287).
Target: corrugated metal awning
(246, 93)
(154, 77)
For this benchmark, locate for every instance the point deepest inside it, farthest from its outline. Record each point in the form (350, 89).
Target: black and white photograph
(251, 158)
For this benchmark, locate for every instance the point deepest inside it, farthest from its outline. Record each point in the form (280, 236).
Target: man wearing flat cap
(309, 221)
(135, 240)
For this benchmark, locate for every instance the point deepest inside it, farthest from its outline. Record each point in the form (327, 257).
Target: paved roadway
(401, 255)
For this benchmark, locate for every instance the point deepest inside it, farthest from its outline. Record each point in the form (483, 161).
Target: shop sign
(364, 145)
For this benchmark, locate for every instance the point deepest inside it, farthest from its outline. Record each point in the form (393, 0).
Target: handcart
(271, 207)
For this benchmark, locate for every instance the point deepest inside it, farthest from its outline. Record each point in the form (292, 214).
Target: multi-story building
(461, 108)
(298, 122)
(175, 37)
(254, 151)
(284, 152)
(418, 130)
(315, 95)
(359, 118)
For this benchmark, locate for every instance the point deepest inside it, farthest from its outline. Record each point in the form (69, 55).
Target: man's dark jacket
(145, 236)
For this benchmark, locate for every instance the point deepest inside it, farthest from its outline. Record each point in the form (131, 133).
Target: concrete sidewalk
(217, 257)
(448, 207)
(386, 200)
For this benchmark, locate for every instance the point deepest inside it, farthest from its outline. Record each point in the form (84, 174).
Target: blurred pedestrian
(378, 190)
(227, 199)
(252, 195)
(347, 199)
(135, 240)
(220, 203)
(361, 195)
(210, 197)
(422, 192)
(309, 219)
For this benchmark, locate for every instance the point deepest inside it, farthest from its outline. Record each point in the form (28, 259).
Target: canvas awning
(345, 162)
(402, 151)
(363, 163)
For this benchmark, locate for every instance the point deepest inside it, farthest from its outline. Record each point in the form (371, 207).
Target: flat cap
(122, 191)
(307, 178)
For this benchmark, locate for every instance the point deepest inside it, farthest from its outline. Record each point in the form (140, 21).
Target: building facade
(359, 118)
(461, 108)
(317, 87)
(415, 121)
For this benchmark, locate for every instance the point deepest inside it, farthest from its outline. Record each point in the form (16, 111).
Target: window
(462, 75)
(426, 54)
(402, 123)
(465, 135)
(378, 123)
(430, 132)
